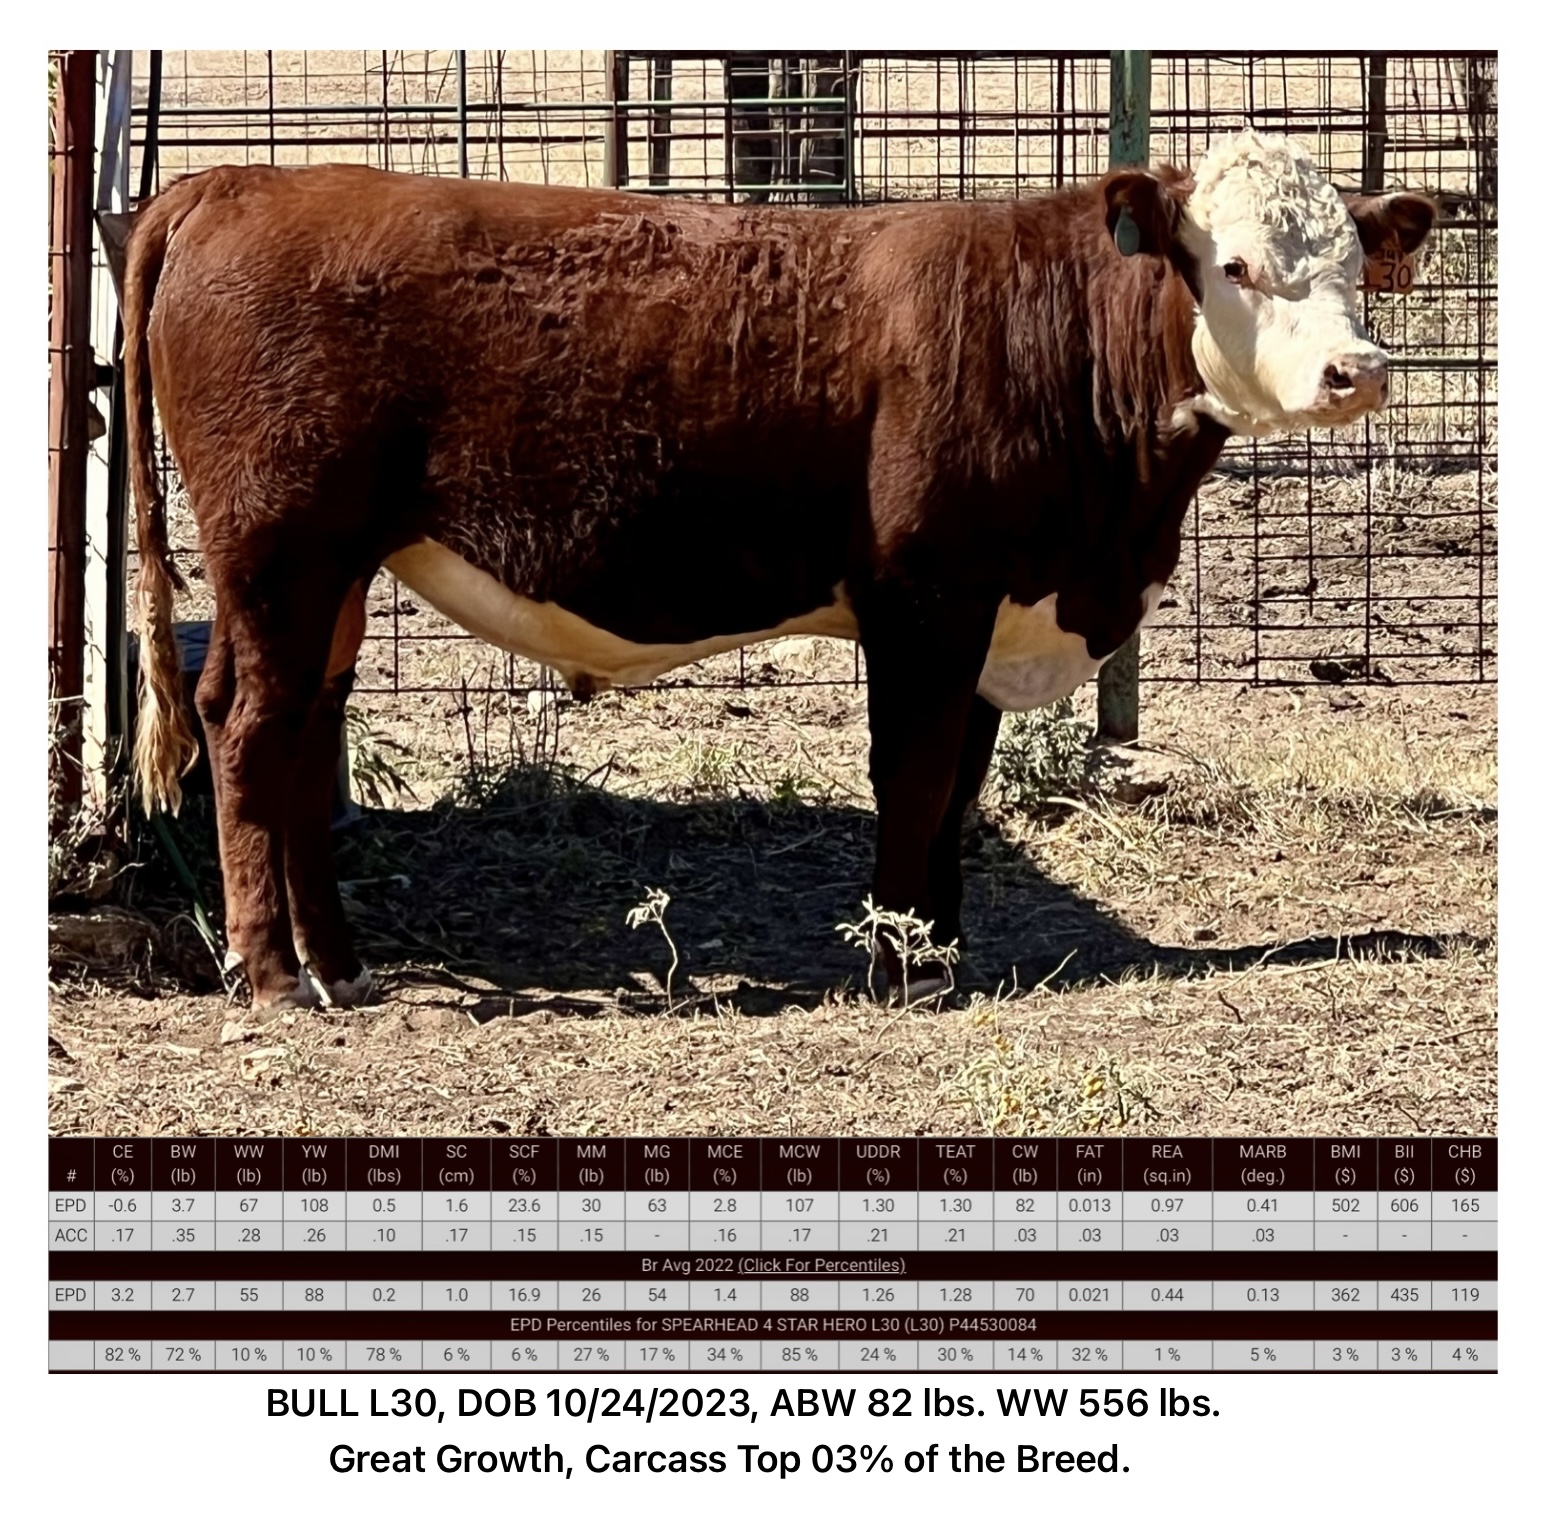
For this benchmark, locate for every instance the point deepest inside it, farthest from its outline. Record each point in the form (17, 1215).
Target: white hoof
(302, 995)
(920, 989)
(340, 994)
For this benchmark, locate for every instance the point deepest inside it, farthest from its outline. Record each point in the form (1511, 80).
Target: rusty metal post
(850, 67)
(71, 368)
(1118, 682)
(1482, 116)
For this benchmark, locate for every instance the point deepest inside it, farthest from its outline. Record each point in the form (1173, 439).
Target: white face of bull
(1277, 337)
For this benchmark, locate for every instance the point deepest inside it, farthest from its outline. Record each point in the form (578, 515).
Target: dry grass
(1345, 1047)
(1296, 938)
(1274, 829)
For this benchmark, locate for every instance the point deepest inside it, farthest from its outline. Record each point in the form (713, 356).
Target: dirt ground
(1293, 935)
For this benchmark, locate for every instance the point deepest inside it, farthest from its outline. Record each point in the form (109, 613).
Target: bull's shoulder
(969, 235)
(926, 268)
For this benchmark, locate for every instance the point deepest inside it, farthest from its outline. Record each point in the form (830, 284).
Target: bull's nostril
(1336, 380)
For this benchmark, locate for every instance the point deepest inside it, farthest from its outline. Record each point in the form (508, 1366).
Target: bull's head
(1273, 255)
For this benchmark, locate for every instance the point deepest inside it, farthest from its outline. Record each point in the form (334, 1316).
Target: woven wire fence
(1366, 555)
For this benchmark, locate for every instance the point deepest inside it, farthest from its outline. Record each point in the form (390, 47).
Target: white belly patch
(586, 657)
(1032, 661)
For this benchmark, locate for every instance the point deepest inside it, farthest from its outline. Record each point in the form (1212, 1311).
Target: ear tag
(1388, 268)
(1126, 234)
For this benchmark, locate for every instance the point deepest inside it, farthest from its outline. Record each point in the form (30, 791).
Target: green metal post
(618, 84)
(1118, 682)
(1129, 111)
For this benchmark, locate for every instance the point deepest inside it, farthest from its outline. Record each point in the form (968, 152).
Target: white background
(1282, 1444)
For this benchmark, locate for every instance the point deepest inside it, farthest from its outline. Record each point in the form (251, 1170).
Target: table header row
(726, 1165)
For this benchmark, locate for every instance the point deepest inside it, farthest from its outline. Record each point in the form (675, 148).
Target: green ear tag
(1126, 234)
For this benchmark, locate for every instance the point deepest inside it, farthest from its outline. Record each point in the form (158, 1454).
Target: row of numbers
(741, 1294)
(366, 1355)
(769, 1207)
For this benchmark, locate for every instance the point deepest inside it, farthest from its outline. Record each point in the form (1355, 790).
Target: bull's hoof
(342, 993)
(922, 986)
(268, 1003)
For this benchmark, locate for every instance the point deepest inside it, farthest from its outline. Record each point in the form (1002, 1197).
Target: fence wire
(1361, 556)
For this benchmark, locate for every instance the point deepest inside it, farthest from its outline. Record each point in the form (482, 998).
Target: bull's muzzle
(1355, 385)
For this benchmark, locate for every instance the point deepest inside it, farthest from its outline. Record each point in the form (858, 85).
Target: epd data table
(706, 1255)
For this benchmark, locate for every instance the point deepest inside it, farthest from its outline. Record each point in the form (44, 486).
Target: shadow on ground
(517, 893)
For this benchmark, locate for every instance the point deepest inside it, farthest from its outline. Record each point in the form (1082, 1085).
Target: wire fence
(1368, 555)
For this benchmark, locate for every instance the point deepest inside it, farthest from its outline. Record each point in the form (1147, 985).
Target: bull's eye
(1236, 271)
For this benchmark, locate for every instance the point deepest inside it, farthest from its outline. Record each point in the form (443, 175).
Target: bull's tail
(164, 746)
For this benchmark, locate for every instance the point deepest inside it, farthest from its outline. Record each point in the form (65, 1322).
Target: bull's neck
(1149, 386)
(1147, 351)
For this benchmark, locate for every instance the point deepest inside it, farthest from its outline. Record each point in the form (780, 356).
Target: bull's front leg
(925, 649)
(946, 871)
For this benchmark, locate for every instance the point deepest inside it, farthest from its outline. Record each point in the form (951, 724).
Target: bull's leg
(256, 697)
(321, 938)
(924, 656)
(215, 700)
(946, 869)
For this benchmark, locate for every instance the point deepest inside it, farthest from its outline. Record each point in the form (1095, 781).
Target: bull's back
(426, 275)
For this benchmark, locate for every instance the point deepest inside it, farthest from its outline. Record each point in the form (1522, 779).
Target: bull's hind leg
(924, 655)
(247, 802)
(256, 699)
(321, 938)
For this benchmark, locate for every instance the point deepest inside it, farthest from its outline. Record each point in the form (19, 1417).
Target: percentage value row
(1259, 1355)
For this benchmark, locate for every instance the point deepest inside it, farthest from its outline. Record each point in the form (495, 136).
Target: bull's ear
(1142, 212)
(1401, 220)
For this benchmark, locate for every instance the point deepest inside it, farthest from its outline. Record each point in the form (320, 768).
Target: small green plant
(371, 771)
(651, 911)
(701, 769)
(789, 791)
(520, 769)
(1042, 756)
(907, 935)
(1020, 1086)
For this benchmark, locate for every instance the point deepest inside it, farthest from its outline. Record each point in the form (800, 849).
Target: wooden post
(71, 367)
(1118, 682)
